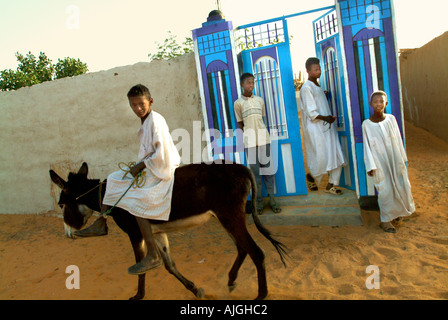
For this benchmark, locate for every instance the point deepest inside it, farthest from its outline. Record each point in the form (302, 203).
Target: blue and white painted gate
(355, 41)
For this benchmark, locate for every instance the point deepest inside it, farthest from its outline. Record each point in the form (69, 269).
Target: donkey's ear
(84, 170)
(57, 179)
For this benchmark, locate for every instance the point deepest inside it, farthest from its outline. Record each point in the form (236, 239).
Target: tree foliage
(170, 48)
(69, 67)
(32, 70)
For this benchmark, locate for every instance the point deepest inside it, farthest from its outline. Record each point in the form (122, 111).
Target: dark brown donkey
(200, 191)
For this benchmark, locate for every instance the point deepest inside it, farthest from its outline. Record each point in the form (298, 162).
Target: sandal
(388, 227)
(334, 190)
(311, 183)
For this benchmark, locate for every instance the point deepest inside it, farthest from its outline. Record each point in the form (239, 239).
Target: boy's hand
(330, 119)
(135, 170)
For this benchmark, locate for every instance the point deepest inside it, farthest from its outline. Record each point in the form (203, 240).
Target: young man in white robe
(323, 150)
(385, 160)
(157, 160)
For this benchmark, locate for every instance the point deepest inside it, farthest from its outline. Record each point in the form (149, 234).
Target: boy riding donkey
(158, 159)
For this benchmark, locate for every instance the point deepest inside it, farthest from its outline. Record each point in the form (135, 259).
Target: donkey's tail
(280, 247)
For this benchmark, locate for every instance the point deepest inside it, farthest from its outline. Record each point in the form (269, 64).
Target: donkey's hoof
(232, 287)
(261, 296)
(200, 294)
(137, 297)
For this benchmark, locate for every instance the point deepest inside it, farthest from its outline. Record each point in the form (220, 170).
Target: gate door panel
(328, 51)
(266, 54)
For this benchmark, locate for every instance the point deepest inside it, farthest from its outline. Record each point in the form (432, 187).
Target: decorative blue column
(371, 61)
(218, 83)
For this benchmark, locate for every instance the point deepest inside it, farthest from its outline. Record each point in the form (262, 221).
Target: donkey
(200, 191)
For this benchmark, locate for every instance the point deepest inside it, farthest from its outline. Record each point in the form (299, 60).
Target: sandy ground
(326, 262)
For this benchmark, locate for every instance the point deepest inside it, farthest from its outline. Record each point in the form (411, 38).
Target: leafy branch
(170, 48)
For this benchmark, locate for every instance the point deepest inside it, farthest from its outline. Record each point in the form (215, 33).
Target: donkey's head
(75, 206)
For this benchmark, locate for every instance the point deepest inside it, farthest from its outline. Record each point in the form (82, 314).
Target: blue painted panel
(281, 53)
(361, 170)
(341, 92)
(209, 58)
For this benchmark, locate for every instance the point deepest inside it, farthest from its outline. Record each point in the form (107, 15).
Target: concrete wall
(59, 124)
(424, 78)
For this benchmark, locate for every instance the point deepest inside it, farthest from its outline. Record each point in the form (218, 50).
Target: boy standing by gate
(323, 149)
(385, 159)
(249, 111)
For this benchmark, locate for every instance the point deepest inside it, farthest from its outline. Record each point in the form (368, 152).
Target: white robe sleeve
(397, 136)
(368, 156)
(308, 103)
(165, 157)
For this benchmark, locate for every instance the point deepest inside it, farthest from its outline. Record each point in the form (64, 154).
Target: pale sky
(113, 33)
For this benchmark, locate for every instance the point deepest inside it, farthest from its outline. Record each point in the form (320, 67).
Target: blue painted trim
(218, 111)
(284, 17)
(362, 70)
(229, 94)
(333, 9)
(225, 26)
(385, 71)
(278, 95)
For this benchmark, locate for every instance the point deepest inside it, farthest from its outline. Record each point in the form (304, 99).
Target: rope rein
(138, 182)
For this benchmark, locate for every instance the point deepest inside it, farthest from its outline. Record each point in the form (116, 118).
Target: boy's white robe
(323, 149)
(384, 154)
(160, 155)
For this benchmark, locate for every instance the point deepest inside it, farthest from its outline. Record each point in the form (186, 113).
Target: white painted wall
(59, 124)
(424, 79)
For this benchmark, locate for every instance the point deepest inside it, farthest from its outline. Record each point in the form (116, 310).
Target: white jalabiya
(160, 155)
(323, 149)
(384, 154)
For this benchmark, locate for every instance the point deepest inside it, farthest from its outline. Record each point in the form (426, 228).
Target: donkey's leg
(139, 253)
(238, 230)
(164, 251)
(236, 267)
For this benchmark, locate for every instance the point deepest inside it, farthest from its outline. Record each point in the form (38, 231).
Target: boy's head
(139, 90)
(313, 68)
(378, 101)
(247, 81)
(140, 100)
